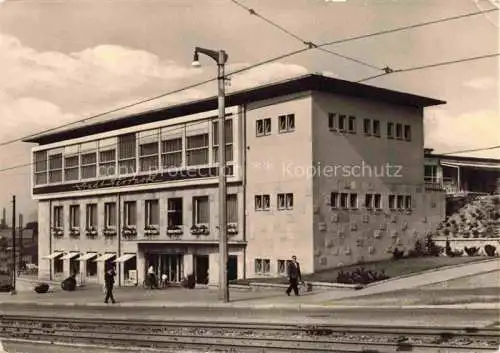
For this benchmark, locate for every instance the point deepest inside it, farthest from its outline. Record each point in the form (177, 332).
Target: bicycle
(148, 284)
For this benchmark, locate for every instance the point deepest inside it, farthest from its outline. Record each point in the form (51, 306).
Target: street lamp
(220, 58)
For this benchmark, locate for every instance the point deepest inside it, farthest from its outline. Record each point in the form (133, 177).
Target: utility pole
(220, 57)
(21, 245)
(13, 291)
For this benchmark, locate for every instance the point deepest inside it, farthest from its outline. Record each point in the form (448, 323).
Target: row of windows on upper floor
(127, 154)
(263, 266)
(200, 214)
(338, 200)
(339, 123)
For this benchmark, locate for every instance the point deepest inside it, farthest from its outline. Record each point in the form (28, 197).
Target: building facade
(328, 170)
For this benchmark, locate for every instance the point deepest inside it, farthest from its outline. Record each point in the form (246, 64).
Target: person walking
(294, 276)
(109, 280)
(164, 280)
(152, 277)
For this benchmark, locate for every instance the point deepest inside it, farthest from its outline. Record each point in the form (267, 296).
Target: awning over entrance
(54, 255)
(87, 256)
(125, 258)
(104, 257)
(70, 256)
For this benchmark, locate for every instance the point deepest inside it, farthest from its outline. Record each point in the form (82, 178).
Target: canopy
(125, 257)
(87, 256)
(70, 256)
(53, 255)
(104, 257)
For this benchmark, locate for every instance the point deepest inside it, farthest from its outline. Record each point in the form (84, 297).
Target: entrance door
(232, 267)
(201, 269)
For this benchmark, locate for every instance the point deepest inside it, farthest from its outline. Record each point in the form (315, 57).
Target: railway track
(248, 337)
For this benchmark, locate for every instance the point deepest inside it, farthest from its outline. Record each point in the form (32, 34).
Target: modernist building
(325, 169)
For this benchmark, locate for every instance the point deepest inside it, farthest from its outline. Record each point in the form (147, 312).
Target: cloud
(482, 83)
(471, 130)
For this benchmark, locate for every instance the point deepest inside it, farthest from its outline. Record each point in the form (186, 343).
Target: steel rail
(48, 328)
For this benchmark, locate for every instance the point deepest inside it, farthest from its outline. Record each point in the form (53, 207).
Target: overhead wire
(308, 44)
(261, 63)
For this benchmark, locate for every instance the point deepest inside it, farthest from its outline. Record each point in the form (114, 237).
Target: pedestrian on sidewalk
(294, 276)
(164, 280)
(109, 280)
(153, 283)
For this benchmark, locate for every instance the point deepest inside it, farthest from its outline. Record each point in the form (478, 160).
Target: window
(229, 141)
(392, 202)
(110, 215)
(55, 168)
(283, 266)
(148, 151)
(174, 212)
(407, 132)
(400, 200)
(88, 168)
(129, 213)
(399, 131)
(376, 128)
(352, 124)
(286, 123)
(334, 199)
(71, 168)
(107, 157)
(148, 156)
(74, 216)
(369, 201)
(197, 150)
(91, 216)
(373, 201)
(353, 200)
(407, 202)
(201, 210)
(367, 126)
(332, 121)
(262, 266)
(285, 201)
(171, 153)
(58, 266)
(342, 123)
(152, 213)
(232, 208)
(377, 201)
(262, 202)
(343, 200)
(127, 154)
(390, 130)
(58, 217)
(40, 159)
(263, 127)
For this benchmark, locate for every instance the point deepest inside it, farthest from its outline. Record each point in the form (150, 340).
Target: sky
(63, 60)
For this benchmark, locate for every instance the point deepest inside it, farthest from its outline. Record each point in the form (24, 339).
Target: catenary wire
(308, 44)
(283, 56)
(390, 72)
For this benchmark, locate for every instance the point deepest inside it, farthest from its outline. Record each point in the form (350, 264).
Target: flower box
(109, 232)
(74, 232)
(129, 232)
(174, 231)
(199, 230)
(57, 232)
(91, 232)
(232, 228)
(150, 231)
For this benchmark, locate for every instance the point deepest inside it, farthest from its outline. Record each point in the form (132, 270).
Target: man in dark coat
(109, 281)
(294, 276)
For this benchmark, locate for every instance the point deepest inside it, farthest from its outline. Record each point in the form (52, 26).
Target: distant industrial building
(328, 170)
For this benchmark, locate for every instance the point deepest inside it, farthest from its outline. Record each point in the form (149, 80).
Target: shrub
(397, 254)
(490, 250)
(189, 282)
(360, 276)
(472, 251)
(431, 249)
(452, 253)
(418, 250)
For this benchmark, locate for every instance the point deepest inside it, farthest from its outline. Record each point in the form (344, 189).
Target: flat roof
(309, 82)
(462, 158)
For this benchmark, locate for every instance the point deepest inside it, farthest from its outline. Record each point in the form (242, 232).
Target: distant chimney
(3, 225)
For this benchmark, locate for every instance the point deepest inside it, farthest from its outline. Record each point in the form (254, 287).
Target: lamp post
(220, 58)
